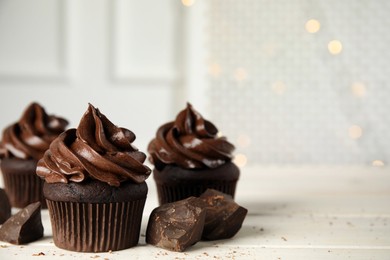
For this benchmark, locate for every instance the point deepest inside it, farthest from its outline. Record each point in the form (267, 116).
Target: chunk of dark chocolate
(176, 226)
(5, 207)
(23, 227)
(224, 217)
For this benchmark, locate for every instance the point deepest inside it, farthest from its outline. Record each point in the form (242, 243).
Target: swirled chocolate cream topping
(190, 142)
(31, 136)
(97, 149)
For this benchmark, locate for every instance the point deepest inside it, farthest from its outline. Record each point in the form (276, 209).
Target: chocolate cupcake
(95, 186)
(22, 145)
(189, 158)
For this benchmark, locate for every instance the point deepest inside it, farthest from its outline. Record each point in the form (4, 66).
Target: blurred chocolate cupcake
(95, 186)
(23, 144)
(189, 158)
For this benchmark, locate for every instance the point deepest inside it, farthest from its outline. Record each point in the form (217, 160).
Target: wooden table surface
(294, 213)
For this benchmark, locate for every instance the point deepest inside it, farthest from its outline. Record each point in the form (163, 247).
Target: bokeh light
(378, 163)
(355, 132)
(240, 160)
(215, 69)
(335, 47)
(240, 74)
(312, 26)
(358, 89)
(187, 2)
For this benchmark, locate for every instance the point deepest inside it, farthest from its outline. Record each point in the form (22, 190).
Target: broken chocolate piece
(5, 207)
(224, 217)
(176, 226)
(24, 227)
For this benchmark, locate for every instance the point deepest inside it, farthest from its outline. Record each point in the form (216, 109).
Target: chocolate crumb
(39, 254)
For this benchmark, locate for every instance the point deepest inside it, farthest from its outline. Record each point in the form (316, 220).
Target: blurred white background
(288, 82)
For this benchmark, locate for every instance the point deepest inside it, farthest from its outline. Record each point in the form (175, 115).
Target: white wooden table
(294, 213)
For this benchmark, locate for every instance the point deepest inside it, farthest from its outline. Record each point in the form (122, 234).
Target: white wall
(249, 66)
(122, 56)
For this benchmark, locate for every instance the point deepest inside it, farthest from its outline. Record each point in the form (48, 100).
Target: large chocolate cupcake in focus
(95, 186)
(23, 144)
(189, 158)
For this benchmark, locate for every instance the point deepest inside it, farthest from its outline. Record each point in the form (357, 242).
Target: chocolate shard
(24, 227)
(224, 217)
(5, 207)
(176, 226)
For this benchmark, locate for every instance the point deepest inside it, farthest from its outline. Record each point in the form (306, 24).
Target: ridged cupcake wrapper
(23, 189)
(171, 193)
(96, 227)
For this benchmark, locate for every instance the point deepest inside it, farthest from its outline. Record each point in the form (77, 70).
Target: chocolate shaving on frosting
(96, 149)
(31, 136)
(190, 142)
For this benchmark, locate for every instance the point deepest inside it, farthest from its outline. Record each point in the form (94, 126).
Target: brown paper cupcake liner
(23, 189)
(171, 193)
(96, 227)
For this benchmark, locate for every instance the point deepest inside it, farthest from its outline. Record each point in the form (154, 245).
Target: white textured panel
(144, 40)
(32, 39)
(281, 97)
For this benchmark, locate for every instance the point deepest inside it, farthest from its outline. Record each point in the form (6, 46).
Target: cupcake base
(21, 183)
(175, 183)
(107, 219)
(95, 227)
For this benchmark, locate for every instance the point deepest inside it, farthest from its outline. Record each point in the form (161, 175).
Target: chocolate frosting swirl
(31, 136)
(97, 149)
(190, 142)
